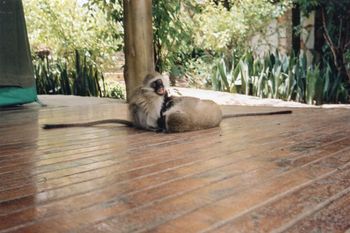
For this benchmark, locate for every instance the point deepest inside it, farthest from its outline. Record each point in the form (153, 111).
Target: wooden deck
(255, 174)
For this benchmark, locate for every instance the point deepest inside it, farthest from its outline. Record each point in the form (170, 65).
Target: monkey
(190, 113)
(144, 106)
(151, 108)
(146, 102)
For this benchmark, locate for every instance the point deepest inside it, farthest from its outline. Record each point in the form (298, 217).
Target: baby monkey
(151, 108)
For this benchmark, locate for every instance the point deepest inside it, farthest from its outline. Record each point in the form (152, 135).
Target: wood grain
(287, 173)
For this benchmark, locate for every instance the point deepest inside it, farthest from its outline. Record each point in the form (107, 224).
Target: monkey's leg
(178, 122)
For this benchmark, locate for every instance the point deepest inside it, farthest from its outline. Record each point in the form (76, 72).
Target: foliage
(112, 8)
(54, 76)
(116, 92)
(277, 76)
(219, 28)
(63, 26)
(208, 37)
(72, 43)
(184, 29)
(335, 17)
(187, 30)
(172, 35)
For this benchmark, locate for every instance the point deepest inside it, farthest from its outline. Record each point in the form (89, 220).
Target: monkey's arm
(256, 114)
(91, 123)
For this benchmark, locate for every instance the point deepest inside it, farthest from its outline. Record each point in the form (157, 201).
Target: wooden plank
(282, 213)
(117, 179)
(182, 204)
(333, 217)
(142, 162)
(203, 208)
(51, 154)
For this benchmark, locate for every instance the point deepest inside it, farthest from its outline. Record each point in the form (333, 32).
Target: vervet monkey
(144, 106)
(151, 108)
(147, 102)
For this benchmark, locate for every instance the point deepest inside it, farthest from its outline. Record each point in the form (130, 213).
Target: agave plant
(277, 76)
(57, 76)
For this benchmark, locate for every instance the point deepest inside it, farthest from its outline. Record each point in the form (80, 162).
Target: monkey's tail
(256, 114)
(86, 124)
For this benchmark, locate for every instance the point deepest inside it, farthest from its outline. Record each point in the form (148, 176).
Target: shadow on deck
(285, 173)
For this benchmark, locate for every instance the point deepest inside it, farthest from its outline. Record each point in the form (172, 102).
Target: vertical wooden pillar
(138, 42)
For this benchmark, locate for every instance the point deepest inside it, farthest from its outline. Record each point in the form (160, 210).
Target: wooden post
(138, 42)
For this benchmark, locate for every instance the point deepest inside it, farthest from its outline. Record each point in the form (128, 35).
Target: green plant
(57, 76)
(63, 26)
(313, 80)
(277, 76)
(221, 27)
(117, 92)
(172, 36)
(335, 24)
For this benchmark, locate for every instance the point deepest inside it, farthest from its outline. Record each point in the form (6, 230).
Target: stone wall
(279, 36)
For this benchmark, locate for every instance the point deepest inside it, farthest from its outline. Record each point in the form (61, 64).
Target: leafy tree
(64, 26)
(171, 30)
(335, 16)
(172, 34)
(182, 28)
(226, 3)
(224, 25)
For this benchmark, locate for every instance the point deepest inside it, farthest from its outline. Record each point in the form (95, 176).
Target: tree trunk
(138, 37)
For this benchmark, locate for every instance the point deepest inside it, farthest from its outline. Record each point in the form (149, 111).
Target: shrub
(277, 76)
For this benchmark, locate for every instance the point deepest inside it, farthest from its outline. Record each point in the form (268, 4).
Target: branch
(347, 38)
(346, 45)
(328, 38)
(340, 32)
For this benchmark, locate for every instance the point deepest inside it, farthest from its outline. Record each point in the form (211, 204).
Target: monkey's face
(158, 87)
(156, 83)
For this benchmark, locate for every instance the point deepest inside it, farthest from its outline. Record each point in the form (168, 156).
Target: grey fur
(185, 113)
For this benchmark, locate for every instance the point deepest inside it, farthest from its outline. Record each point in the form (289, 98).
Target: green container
(17, 83)
(17, 95)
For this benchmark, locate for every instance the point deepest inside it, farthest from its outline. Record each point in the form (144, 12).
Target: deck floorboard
(287, 173)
